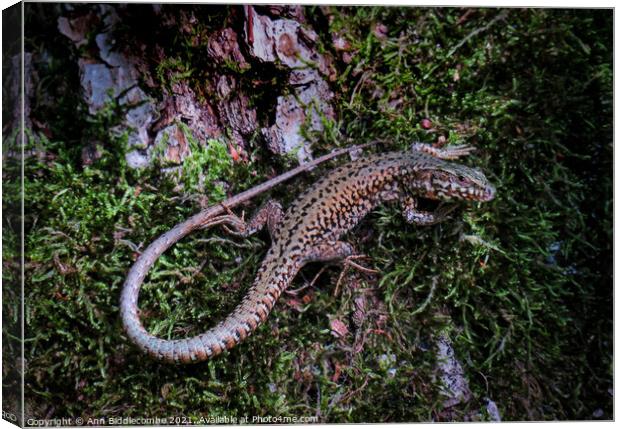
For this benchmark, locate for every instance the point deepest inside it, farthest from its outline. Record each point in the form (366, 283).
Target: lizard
(310, 231)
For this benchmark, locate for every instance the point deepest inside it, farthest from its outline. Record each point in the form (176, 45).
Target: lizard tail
(238, 325)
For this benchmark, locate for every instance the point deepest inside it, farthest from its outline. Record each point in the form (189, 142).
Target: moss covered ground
(522, 284)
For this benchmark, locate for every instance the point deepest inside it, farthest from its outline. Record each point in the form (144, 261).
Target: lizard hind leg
(329, 251)
(269, 214)
(332, 251)
(336, 251)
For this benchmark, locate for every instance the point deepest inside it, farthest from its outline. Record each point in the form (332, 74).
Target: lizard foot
(232, 223)
(348, 263)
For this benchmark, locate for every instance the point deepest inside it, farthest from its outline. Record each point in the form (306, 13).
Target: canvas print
(298, 214)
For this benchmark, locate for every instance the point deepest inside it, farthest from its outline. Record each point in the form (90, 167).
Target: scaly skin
(310, 231)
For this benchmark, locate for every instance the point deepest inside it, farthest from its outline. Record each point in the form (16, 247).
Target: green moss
(206, 166)
(523, 283)
(173, 70)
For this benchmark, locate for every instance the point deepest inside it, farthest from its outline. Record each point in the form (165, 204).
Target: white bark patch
(111, 76)
(493, 411)
(292, 45)
(454, 384)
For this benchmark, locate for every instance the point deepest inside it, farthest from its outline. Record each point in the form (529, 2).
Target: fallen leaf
(338, 328)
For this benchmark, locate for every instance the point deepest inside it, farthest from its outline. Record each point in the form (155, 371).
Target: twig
(500, 16)
(465, 16)
(428, 298)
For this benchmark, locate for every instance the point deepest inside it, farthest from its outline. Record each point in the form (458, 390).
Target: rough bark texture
(132, 74)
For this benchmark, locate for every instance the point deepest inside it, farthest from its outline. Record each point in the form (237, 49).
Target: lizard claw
(348, 263)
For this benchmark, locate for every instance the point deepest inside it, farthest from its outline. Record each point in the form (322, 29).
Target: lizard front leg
(453, 152)
(421, 217)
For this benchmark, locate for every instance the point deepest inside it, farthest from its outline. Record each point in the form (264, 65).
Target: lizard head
(448, 181)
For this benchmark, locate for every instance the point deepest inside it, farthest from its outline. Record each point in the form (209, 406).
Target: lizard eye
(461, 178)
